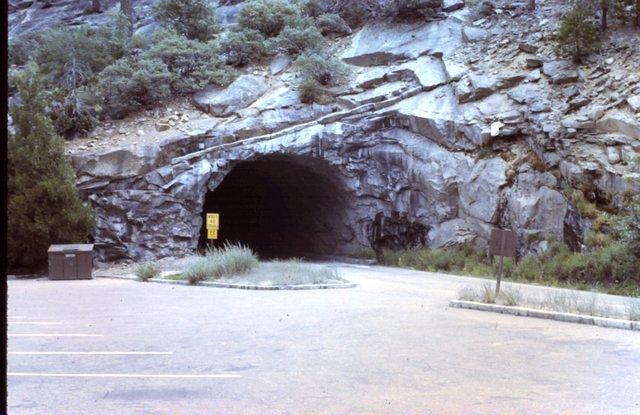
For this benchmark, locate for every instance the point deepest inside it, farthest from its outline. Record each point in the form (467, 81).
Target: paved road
(391, 345)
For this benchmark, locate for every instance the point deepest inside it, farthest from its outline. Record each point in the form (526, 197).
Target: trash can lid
(71, 247)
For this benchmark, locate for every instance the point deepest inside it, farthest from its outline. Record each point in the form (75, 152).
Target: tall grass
(231, 259)
(145, 272)
(612, 268)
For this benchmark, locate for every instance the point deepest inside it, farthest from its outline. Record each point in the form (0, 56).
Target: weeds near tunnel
(145, 272)
(216, 263)
(611, 269)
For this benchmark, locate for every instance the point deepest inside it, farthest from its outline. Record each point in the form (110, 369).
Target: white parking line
(123, 375)
(91, 353)
(54, 335)
(40, 323)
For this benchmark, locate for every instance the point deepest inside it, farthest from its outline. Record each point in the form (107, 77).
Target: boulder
(534, 210)
(279, 64)
(560, 72)
(448, 233)
(475, 86)
(472, 34)
(380, 44)
(618, 121)
(480, 191)
(429, 71)
(222, 102)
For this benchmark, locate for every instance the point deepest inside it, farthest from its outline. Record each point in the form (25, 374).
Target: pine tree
(43, 203)
(577, 36)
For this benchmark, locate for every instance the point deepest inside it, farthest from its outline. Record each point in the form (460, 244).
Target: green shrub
(85, 49)
(294, 41)
(243, 46)
(268, 17)
(194, 64)
(195, 19)
(527, 269)
(21, 48)
(132, 84)
(332, 24)
(43, 203)
(355, 12)
(411, 9)
(585, 208)
(309, 91)
(221, 262)
(577, 36)
(325, 70)
(145, 272)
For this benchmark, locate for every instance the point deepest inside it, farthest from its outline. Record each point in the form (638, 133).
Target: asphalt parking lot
(390, 345)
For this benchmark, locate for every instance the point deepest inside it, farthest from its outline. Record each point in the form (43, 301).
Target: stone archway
(281, 206)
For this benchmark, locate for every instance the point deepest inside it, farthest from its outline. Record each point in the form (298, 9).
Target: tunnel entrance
(279, 205)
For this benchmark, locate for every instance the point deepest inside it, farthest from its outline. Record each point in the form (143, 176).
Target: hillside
(445, 128)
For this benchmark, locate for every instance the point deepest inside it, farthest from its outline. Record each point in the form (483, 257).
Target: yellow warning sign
(212, 234)
(213, 220)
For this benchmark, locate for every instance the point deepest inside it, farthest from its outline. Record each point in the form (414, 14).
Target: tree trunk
(126, 7)
(532, 5)
(604, 4)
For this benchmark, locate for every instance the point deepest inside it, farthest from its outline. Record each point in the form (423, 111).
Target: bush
(221, 262)
(132, 84)
(87, 50)
(577, 36)
(411, 9)
(294, 41)
(355, 12)
(323, 69)
(145, 272)
(330, 24)
(309, 91)
(21, 48)
(194, 64)
(43, 203)
(268, 17)
(195, 19)
(241, 47)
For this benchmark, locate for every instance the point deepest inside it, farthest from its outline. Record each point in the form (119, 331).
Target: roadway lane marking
(91, 353)
(122, 375)
(41, 323)
(54, 335)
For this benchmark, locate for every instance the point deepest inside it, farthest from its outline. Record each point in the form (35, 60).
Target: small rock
(452, 5)
(495, 128)
(140, 132)
(534, 62)
(609, 61)
(185, 118)
(528, 48)
(161, 126)
(122, 131)
(534, 76)
(560, 72)
(613, 155)
(634, 102)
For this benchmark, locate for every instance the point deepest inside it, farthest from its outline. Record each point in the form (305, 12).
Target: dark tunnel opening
(281, 206)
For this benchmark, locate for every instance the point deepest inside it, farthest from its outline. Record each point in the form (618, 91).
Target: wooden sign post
(213, 224)
(502, 243)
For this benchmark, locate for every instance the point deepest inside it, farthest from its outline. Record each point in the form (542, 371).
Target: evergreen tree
(43, 203)
(577, 36)
(195, 19)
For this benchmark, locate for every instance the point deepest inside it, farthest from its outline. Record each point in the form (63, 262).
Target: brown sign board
(503, 243)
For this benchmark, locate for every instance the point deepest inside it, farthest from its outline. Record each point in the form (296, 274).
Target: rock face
(447, 129)
(222, 102)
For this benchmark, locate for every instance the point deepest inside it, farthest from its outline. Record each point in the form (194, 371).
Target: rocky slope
(445, 130)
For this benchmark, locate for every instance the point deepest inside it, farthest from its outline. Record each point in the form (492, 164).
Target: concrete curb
(549, 315)
(238, 286)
